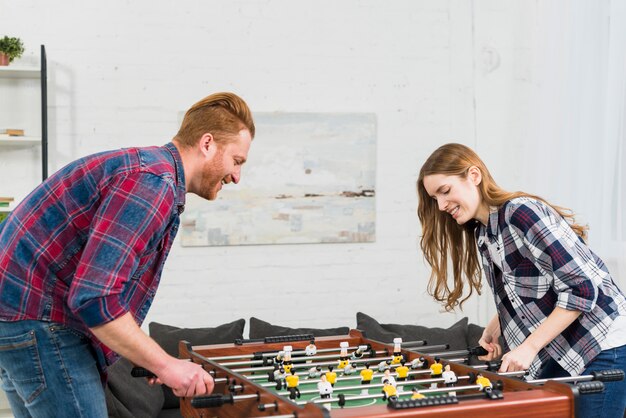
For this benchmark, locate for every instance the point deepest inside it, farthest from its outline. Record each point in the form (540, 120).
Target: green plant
(12, 47)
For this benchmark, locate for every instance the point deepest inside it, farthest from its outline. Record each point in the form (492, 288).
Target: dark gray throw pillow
(168, 336)
(130, 397)
(262, 329)
(455, 336)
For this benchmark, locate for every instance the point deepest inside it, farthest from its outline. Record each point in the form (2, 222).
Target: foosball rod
(302, 359)
(400, 383)
(275, 353)
(599, 375)
(356, 377)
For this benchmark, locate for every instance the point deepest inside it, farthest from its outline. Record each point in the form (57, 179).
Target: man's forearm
(124, 336)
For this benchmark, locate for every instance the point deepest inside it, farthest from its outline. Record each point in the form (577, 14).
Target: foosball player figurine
(402, 372)
(419, 363)
(383, 365)
(348, 369)
(436, 369)
(325, 389)
(287, 365)
(389, 391)
(331, 376)
(387, 376)
(279, 377)
(292, 381)
(311, 349)
(397, 351)
(485, 384)
(367, 375)
(315, 372)
(416, 394)
(358, 353)
(449, 378)
(343, 355)
(279, 358)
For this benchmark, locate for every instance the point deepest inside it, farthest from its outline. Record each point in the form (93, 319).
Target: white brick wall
(432, 71)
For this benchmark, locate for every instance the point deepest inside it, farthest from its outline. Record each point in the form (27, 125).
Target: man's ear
(475, 175)
(207, 144)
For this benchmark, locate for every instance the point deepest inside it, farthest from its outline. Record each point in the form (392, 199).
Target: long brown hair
(221, 114)
(443, 237)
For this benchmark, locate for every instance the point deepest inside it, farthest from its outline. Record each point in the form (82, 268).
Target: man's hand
(186, 378)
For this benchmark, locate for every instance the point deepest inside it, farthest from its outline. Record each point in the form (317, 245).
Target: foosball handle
(211, 401)
(477, 351)
(608, 375)
(141, 372)
(594, 386)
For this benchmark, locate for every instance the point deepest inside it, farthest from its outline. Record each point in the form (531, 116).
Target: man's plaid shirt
(88, 245)
(544, 265)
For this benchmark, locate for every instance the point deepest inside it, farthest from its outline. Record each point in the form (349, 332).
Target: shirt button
(523, 317)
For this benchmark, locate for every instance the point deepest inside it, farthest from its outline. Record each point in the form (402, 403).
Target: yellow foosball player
(367, 375)
(292, 381)
(287, 365)
(389, 391)
(397, 351)
(485, 384)
(416, 394)
(344, 360)
(331, 376)
(402, 372)
(436, 370)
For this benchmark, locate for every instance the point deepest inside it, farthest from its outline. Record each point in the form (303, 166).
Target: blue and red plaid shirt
(544, 264)
(88, 245)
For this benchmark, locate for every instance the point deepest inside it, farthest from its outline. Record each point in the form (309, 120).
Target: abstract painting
(310, 178)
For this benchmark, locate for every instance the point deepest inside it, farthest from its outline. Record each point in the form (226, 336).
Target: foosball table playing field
(352, 376)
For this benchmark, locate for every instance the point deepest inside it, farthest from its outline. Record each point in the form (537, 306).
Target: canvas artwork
(310, 178)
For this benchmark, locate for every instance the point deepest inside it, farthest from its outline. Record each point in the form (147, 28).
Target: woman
(559, 311)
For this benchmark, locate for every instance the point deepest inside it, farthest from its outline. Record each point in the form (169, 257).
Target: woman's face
(458, 196)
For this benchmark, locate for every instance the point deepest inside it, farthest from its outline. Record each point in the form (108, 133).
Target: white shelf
(10, 71)
(19, 141)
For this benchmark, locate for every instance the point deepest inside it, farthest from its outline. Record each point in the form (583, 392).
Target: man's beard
(212, 176)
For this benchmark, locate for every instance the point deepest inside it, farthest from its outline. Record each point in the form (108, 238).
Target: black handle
(608, 375)
(211, 401)
(595, 386)
(276, 339)
(141, 372)
(477, 351)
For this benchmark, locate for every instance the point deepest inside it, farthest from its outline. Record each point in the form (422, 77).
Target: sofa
(129, 397)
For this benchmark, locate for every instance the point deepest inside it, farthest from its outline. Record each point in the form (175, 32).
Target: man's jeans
(48, 370)
(610, 403)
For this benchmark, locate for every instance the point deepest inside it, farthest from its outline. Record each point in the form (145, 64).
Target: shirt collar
(180, 176)
(492, 222)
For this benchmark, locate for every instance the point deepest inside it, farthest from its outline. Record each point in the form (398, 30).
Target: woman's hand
(520, 358)
(489, 340)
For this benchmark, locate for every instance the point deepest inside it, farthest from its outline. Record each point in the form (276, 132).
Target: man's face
(225, 165)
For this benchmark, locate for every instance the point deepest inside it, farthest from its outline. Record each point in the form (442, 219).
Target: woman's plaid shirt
(544, 265)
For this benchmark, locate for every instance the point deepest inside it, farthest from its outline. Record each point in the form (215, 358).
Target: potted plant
(10, 48)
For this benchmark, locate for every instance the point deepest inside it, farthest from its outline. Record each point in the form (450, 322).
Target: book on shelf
(12, 132)
(5, 201)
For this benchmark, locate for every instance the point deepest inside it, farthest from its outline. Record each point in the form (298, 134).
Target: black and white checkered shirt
(544, 264)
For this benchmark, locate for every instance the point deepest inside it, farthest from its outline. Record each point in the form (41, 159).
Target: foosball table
(251, 380)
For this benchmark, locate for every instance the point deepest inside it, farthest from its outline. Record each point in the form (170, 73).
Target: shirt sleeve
(134, 212)
(556, 249)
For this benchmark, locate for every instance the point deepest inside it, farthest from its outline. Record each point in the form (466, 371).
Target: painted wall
(432, 71)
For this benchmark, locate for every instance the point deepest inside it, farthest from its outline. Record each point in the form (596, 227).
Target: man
(82, 255)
